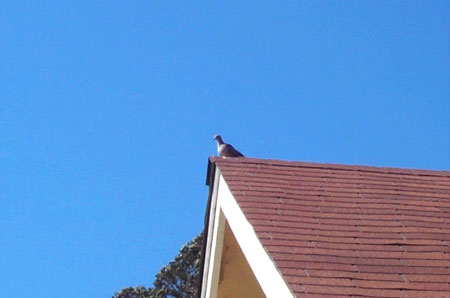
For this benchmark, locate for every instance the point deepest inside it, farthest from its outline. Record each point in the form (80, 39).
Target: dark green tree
(135, 292)
(178, 279)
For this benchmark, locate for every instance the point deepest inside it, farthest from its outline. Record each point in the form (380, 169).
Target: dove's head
(218, 138)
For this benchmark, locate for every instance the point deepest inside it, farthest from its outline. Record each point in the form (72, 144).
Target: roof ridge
(334, 166)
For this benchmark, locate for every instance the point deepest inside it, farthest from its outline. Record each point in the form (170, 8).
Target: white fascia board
(214, 237)
(216, 256)
(269, 278)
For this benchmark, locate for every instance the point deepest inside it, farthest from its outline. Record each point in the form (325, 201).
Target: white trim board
(265, 271)
(213, 253)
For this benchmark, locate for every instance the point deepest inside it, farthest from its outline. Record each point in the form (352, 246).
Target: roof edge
(210, 176)
(363, 168)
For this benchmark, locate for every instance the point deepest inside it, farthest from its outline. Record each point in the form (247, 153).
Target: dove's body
(226, 150)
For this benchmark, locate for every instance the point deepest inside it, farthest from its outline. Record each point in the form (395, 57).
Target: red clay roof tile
(340, 231)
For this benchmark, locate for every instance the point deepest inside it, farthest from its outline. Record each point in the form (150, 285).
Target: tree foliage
(135, 292)
(178, 279)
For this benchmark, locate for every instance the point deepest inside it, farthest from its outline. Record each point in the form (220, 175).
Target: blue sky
(108, 109)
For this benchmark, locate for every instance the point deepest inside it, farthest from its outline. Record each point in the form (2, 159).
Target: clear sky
(108, 109)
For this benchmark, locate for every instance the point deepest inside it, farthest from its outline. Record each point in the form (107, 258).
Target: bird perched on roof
(226, 150)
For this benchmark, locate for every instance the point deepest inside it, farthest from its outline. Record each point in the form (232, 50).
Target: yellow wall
(236, 279)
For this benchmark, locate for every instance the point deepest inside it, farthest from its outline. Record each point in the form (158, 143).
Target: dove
(226, 150)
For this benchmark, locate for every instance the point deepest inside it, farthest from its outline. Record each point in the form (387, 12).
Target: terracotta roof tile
(340, 231)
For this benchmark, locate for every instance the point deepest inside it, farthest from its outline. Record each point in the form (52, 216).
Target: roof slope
(336, 230)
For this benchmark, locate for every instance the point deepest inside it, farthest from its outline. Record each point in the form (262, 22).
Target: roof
(340, 231)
